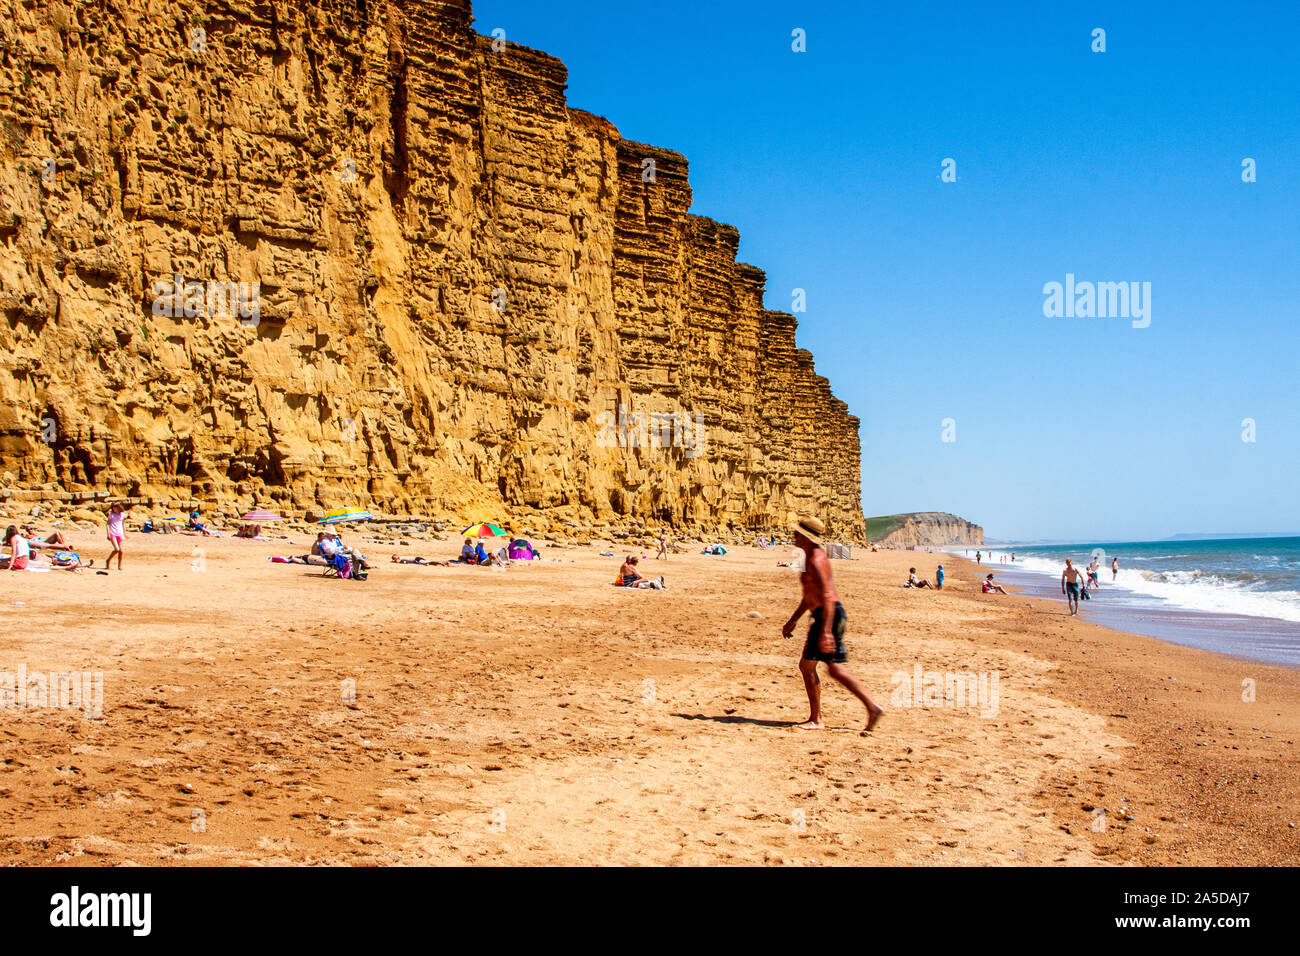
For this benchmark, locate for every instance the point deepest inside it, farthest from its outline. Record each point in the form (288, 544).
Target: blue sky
(924, 298)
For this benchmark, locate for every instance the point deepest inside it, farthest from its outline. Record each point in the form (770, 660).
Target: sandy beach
(538, 715)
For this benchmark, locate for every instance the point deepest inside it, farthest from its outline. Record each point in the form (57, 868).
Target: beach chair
(345, 567)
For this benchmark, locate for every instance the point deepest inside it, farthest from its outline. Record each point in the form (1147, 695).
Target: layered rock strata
(304, 254)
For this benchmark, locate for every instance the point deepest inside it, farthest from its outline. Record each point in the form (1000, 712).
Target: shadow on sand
(735, 719)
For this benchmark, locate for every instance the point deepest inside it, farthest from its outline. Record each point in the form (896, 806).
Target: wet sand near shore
(538, 715)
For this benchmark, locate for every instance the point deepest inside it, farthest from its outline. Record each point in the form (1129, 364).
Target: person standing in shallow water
(826, 634)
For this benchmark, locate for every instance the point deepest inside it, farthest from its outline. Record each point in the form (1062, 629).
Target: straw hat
(811, 528)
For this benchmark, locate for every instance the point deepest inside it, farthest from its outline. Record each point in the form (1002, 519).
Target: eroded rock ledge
(467, 290)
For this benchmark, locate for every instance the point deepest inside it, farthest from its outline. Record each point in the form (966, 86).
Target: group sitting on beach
(22, 544)
(474, 553)
(328, 551)
(630, 577)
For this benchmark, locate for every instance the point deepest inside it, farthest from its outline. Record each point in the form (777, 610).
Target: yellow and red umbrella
(484, 530)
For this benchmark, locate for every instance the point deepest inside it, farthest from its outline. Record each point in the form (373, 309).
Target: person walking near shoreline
(1070, 586)
(825, 641)
(1114, 568)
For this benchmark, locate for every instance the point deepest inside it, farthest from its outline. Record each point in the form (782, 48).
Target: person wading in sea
(826, 634)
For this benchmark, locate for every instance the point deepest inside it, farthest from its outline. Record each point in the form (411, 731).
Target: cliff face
(315, 253)
(925, 529)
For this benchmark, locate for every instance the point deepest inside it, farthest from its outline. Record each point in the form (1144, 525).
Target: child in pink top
(116, 534)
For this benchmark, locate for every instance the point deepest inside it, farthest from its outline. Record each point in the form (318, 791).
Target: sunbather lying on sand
(419, 560)
(70, 561)
(36, 541)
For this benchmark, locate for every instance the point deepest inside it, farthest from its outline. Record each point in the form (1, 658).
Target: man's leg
(841, 674)
(813, 686)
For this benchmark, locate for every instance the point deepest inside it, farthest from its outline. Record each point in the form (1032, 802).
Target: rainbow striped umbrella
(484, 530)
(259, 515)
(340, 515)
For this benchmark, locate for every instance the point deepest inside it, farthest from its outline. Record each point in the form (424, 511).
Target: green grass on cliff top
(882, 525)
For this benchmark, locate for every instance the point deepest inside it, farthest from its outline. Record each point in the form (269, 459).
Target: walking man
(1070, 586)
(826, 634)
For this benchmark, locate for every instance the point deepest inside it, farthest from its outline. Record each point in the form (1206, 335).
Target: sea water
(1233, 595)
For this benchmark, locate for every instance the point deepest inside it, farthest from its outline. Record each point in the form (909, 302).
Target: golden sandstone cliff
(305, 254)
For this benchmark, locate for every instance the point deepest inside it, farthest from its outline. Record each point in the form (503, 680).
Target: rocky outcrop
(924, 529)
(305, 254)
